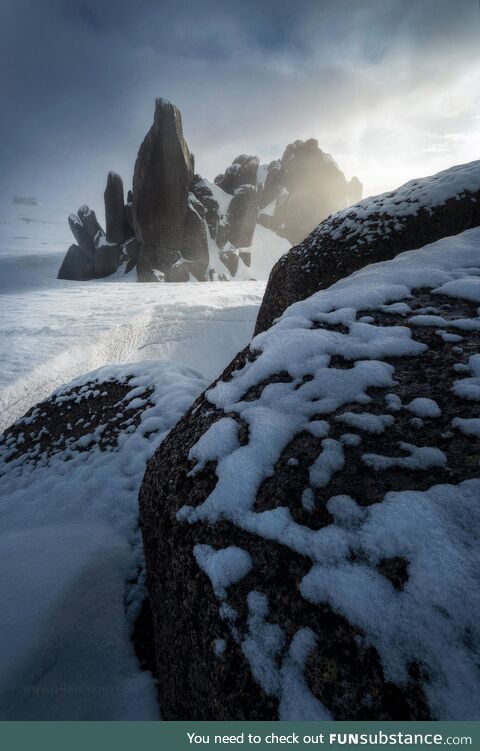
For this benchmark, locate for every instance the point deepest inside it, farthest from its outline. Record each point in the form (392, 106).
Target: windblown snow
(70, 548)
(54, 330)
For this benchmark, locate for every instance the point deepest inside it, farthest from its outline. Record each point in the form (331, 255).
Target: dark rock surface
(242, 171)
(223, 653)
(81, 262)
(114, 209)
(107, 256)
(242, 216)
(162, 177)
(51, 426)
(375, 229)
(273, 183)
(183, 270)
(229, 257)
(195, 242)
(76, 265)
(83, 237)
(89, 221)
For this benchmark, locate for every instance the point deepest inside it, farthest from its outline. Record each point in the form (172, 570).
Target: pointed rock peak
(114, 177)
(166, 111)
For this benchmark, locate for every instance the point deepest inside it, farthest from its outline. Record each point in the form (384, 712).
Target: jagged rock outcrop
(79, 262)
(242, 216)
(84, 237)
(162, 177)
(242, 171)
(94, 257)
(195, 242)
(76, 265)
(175, 215)
(310, 526)
(107, 257)
(378, 228)
(305, 186)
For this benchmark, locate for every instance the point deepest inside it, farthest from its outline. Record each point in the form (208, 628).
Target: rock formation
(175, 215)
(76, 265)
(242, 171)
(94, 257)
(115, 209)
(161, 180)
(375, 229)
(305, 186)
(310, 525)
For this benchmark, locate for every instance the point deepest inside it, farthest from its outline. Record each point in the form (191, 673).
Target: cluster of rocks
(176, 226)
(96, 253)
(302, 188)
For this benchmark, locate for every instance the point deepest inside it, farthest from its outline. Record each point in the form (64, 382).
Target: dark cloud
(78, 79)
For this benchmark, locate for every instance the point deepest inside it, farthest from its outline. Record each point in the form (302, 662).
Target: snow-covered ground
(70, 549)
(69, 542)
(52, 331)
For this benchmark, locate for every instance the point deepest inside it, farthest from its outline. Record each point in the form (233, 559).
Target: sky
(391, 88)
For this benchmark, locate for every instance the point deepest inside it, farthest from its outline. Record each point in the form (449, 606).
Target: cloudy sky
(391, 88)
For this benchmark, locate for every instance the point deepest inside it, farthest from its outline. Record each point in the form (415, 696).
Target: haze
(389, 87)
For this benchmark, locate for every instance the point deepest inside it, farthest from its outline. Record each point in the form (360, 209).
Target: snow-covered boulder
(242, 171)
(84, 238)
(311, 524)
(375, 229)
(72, 620)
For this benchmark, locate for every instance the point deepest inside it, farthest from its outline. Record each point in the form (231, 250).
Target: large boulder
(114, 209)
(79, 262)
(95, 256)
(311, 525)
(162, 176)
(303, 188)
(242, 216)
(83, 237)
(89, 221)
(195, 241)
(375, 229)
(107, 256)
(204, 197)
(242, 171)
(185, 270)
(76, 265)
